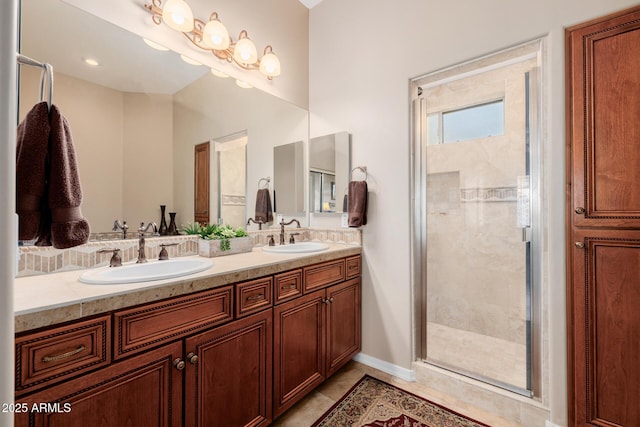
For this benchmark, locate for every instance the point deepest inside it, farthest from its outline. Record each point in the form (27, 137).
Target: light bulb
(215, 35)
(245, 52)
(178, 15)
(270, 65)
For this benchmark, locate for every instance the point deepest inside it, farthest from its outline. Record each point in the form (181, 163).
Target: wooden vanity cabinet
(223, 356)
(143, 390)
(314, 336)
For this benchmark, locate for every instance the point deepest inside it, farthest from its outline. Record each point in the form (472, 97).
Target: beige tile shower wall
(477, 280)
(35, 260)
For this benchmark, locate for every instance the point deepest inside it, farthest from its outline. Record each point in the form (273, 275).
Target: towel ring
(267, 180)
(362, 169)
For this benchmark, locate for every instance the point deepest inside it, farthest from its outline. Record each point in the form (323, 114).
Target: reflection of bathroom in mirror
(329, 166)
(288, 178)
(230, 158)
(136, 118)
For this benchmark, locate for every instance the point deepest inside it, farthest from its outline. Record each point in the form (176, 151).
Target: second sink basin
(297, 248)
(154, 270)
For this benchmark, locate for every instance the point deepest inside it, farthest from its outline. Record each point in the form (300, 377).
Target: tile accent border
(37, 260)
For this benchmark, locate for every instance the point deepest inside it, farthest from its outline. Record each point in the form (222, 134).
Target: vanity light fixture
(214, 37)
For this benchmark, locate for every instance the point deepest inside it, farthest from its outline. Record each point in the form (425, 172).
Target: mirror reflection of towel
(357, 203)
(264, 212)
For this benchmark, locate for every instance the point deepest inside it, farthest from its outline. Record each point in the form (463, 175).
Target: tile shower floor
(309, 409)
(490, 357)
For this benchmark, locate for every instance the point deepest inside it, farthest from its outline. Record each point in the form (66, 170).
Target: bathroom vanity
(236, 345)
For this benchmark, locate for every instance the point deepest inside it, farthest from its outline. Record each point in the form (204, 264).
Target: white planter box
(211, 248)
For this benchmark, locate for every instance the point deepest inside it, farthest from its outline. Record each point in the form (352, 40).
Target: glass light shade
(219, 73)
(245, 52)
(178, 15)
(243, 84)
(270, 65)
(215, 35)
(154, 45)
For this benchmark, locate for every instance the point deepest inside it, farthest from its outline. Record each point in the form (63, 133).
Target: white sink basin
(297, 248)
(154, 270)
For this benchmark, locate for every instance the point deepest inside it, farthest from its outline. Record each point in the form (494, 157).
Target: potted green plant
(217, 240)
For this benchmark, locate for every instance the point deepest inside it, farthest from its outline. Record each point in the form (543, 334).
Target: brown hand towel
(68, 227)
(357, 203)
(31, 173)
(263, 206)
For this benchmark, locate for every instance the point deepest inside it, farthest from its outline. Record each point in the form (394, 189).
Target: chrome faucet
(120, 226)
(142, 257)
(282, 224)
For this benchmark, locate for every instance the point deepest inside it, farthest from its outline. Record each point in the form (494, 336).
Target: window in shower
(477, 177)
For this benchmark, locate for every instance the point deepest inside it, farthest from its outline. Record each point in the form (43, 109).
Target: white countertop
(58, 297)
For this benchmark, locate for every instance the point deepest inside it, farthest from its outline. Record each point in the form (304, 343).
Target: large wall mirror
(137, 116)
(329, 168)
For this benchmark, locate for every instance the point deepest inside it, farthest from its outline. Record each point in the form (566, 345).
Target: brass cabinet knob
(179, 364)
(192, 358)
(580, 210)
(579, 245)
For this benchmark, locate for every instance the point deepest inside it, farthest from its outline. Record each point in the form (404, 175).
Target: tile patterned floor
(309, 409)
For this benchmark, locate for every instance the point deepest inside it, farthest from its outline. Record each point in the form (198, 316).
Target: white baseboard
(550, 424)
(389, 368)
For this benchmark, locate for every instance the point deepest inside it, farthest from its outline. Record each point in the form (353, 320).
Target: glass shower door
(476, 148)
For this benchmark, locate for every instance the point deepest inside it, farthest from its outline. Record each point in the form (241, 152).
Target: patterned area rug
(374, 403)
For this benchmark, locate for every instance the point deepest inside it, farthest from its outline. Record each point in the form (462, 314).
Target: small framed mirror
(329, 166)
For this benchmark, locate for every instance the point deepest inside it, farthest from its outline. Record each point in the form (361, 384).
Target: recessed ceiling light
(218, 73)
(91, 61)
(155, 45)
(189, 60)
(243, 84)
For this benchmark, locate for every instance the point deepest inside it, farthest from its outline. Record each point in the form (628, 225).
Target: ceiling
(310, 3)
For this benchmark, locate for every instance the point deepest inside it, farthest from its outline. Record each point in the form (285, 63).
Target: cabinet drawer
(287, 285)
(353, 266)
(253, 296)
(322, 275)
(143, 327)
(62, 352)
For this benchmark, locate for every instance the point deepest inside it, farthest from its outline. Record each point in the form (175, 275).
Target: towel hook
(362, 169)
(267, 179)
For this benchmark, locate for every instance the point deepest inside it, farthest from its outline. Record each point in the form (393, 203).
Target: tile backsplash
(36, 260)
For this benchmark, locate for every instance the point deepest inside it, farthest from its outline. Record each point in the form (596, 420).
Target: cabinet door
(606, 328)
(230, 382)
(299, 348)
(343, 324)
(144, 390)
(603, 88)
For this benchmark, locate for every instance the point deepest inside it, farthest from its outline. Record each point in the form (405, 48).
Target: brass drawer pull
(580, 210)
(285, 288)
(64, 355)
(255, 297)
(579, 245)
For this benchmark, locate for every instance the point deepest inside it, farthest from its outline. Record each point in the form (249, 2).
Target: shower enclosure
(477, 222)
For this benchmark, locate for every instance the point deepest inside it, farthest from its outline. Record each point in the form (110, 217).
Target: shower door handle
(526, 234)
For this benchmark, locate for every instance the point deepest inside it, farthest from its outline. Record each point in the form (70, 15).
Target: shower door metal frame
(533, 236)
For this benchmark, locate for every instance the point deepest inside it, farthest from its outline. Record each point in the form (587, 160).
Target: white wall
(362, 55)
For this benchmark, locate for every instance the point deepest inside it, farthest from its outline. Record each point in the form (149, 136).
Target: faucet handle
(292, 238)
(272, 242)
(164, 255)
(116, 259)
